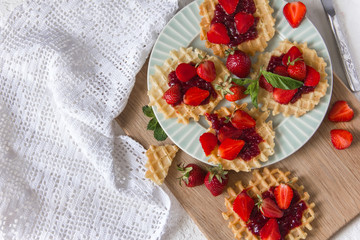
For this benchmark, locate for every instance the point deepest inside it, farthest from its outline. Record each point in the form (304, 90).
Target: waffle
(159, 161)
(261, 182)
(264, 129)
(307, 101)
(265, 28)
(159, 84)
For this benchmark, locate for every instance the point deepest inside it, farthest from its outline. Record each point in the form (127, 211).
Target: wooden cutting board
(331, 177)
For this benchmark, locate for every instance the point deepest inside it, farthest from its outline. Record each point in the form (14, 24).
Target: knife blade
(351, 75)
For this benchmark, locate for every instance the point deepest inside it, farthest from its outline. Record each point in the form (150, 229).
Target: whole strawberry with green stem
(216, 180)
(192, 175)
(238, 62)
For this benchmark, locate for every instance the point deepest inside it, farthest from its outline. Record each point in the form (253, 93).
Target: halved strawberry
(294, 13)
(291, 55)
(208, 142)
(173, 94)
(243, 21)
(297, 69)
(206, 70)
(185, 72)
(341, 112)
(228, 132)
(270, 231)
(194, 96)
(281, 70)
(243, 205)
(242, 120)
(283, 195)
(218, 34)
(238, 93)
(283, 96)
(312, 77)
(341, 138)
(265, 84)
(229, 5)
(230, 148)
(269, 208)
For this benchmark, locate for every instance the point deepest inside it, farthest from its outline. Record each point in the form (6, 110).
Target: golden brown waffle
(261, 182)
(265, 28)
(264, 129)
(307, 101)
(159, 85)
(159, 161)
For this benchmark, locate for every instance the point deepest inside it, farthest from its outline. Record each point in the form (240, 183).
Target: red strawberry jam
(249, 135)
(220, 16)
(194, 82)
(291, 218)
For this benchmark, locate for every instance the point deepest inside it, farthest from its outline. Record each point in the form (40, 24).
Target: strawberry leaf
(147, 110)
(282, 82)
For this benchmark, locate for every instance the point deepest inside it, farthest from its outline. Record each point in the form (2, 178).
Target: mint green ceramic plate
(290, 133)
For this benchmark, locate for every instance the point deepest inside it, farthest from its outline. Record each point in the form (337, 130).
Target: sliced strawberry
(283, 195)
(270, 231)
(206, 70)
(341, 138)
(291, 55)
(218, 34)
(228, 132)
(269, 208)
(173, 94)
(243, 205)
(243, 21)
(238, 93)
(208, 142)
(281, 70)
(194, 96)
(229, 5)
(265, 84)
(192, 175)
(297, 70)
(185, 72)
(230, 148)
(216, 180)
(242, 120)
(294, 13)
(283, 96)
(341, 112)
(312, 77)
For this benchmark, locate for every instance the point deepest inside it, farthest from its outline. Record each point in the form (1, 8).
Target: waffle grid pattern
(308, 101)
(260, 183)
(265, 28)
(159, 85)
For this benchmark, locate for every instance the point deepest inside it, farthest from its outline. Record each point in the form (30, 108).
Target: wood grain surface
(330, 176)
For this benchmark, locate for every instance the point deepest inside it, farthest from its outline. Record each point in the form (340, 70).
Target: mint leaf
(282, 82)
(242, 81)
(152, 124)
(147, 110)
(253, 90)
(159, 133)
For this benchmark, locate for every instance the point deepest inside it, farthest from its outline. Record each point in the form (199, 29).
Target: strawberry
(238, 93)
(341, 112)
(229, 5)
(243, 21)
(270, 231)
(265, 84)
(216, 180)
(185, 72)
(194, 96)
(229, 149)
(206, 70)
(228, 132)
(294, 13)
(192, 175)
(340, 138)
(242, 120)
(269, 208)
(312, 77)
(173, 94)
(243, 206)
(238, 63)
(283, 96)
(291, 55)
(281, 70)
(283, 195)
(208, 142)
(297, 69)
(218, 34)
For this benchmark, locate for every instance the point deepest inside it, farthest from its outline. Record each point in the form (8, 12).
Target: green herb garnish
(153, 124)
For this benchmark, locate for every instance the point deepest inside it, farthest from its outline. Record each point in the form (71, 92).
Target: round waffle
(265, 28)
(159, 85)
(260, 183)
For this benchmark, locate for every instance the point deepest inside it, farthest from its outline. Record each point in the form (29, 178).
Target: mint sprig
(153, 124)
(252, 88)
